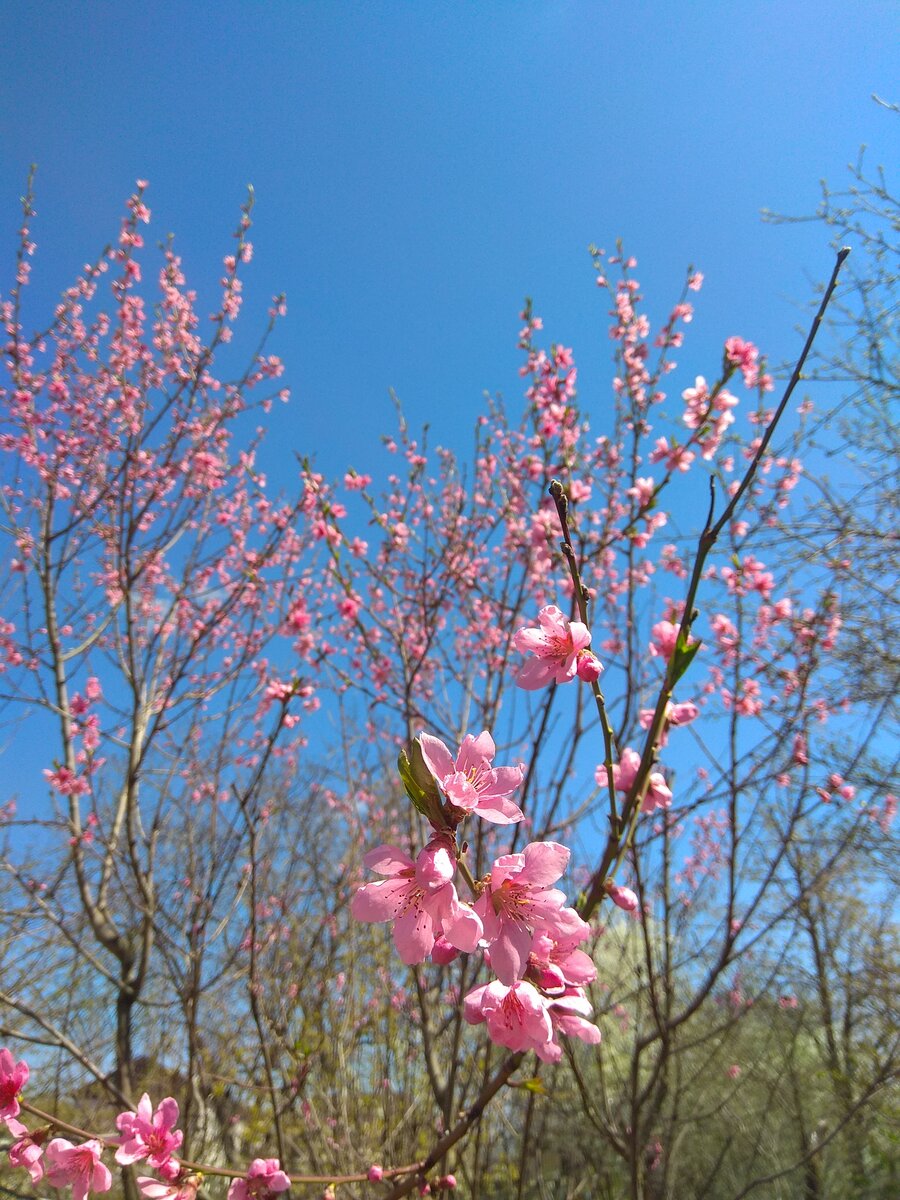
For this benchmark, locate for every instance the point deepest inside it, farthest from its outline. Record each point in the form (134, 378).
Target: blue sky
(420, 167)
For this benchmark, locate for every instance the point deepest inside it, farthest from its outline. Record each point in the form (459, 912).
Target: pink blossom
(263, 1180)
(557, 963)
(419, 898)
(555, 642)
(470, 782)
(745, 356)
(375, 1173)
(625, 771)
(519, 903)
(81, 1166)
(676, 714)
(26, 1151)
(180, 1185)
(516, 1015)
(664, 639)
(13, 1077)
(149, 1135)
(521, 1017)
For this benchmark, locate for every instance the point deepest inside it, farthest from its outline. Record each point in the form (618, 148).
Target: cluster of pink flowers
(529, 936)
(520, 921)
(145, 1135)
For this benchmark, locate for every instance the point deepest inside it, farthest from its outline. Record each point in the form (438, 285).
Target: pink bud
(443, 952)
(622, 896)
(448, 1182)
(376, 1173)
(588, 666)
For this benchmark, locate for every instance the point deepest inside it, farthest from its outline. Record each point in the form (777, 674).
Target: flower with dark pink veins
(559, 648)
(519, 902)
(419, 897)
(148, 1134)
(470, 782)
(81, 1166)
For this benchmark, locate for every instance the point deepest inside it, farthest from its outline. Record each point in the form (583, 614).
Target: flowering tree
(209, 884)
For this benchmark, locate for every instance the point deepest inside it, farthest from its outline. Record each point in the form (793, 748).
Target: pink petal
(536, 673)
(414, 936)
(379, 901)
(499, 810)
(544, 863)
(438, 758)
(509, 953)
(387, 860)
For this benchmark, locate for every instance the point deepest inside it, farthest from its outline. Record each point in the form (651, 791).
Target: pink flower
(149, 1135)
(26, 1151)
(80, 1166)
(375, 1174)
(13, 1077)
(555, 964)
(419, 898)
(555, 643)
(516, 1015)
(519, 903)
(182, 1185)
(470, 782)
(264, 1179)
(665, 637)
(520, 1017)
(658, 795)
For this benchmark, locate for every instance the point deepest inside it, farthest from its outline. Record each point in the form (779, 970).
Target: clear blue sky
(420, 167)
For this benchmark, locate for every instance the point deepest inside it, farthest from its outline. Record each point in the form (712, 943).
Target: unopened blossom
(519, 903)
(26, 1151)
(470, 782)
(419, 897)
(264, 1179)
(554, 643)
(658, 794)
(623, 897)
(375, 1173)
(13, 1077)
(149, 1135)
(80, 1167)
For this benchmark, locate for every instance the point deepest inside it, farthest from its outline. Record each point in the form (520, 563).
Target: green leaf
(421, 786)
(683, 656)
(533, 1085)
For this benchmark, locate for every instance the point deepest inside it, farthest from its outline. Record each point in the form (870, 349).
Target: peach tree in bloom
(467, 704)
